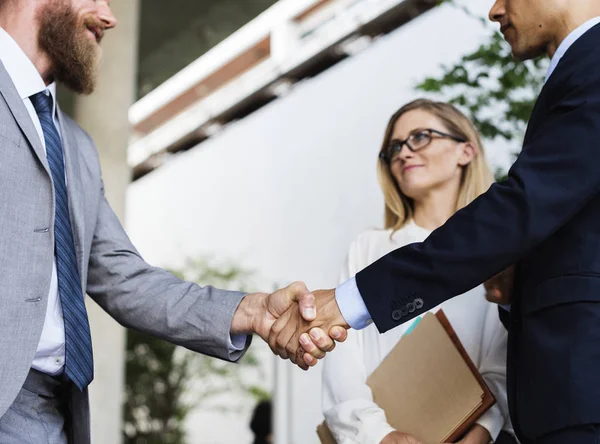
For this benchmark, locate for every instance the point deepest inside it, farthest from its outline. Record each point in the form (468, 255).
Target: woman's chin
(413, 190)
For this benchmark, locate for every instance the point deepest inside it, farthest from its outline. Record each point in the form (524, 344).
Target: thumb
(305, 299)
(308, 307)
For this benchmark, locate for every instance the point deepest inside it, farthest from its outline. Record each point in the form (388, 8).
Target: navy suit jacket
(545, 218)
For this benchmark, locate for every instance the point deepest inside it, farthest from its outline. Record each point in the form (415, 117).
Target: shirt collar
(21, 70)
(568, 42)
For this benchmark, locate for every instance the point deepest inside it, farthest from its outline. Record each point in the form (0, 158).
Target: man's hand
(499, 288)
(477, 435)
(399, 438)
(258, 312)
(291, 330)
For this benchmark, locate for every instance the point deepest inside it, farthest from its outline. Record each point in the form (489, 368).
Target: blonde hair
(476, 177)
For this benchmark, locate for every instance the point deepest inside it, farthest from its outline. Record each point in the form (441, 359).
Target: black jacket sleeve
(555, 176)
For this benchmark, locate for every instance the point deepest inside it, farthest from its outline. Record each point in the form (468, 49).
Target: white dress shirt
(50, 355)
(568, 42)
(348, 296)
(348, 404)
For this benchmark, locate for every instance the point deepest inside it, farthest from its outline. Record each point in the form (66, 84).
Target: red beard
(73, 54)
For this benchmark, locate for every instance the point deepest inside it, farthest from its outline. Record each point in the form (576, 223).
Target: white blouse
(348, 404)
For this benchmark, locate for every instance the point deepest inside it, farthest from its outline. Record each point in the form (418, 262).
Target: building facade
(263, 153)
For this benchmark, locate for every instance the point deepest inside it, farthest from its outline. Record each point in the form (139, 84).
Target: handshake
(303, 326)
(298, 325)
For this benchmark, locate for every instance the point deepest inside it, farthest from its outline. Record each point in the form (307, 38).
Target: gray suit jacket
(112, 272)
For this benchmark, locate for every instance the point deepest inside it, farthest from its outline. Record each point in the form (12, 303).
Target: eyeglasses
(415, 142)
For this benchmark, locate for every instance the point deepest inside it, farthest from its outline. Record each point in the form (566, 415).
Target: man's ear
(468, 153)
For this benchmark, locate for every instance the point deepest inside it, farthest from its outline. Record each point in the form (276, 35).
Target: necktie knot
(42, 102)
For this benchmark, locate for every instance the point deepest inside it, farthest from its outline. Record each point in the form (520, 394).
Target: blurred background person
(260, 423)
(431, 164)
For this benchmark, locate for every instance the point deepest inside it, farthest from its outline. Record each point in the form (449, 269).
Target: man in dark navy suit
(544, 219)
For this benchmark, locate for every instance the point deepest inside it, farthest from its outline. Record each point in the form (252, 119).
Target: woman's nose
(405, 153)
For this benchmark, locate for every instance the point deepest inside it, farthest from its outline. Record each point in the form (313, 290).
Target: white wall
(284, 191)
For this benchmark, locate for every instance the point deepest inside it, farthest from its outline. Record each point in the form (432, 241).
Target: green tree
(164, 382)
(497, 92)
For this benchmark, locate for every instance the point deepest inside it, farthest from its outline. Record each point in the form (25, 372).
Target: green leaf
(496, 92)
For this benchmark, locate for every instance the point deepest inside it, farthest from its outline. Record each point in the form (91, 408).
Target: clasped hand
(305, 341)
(292, 315)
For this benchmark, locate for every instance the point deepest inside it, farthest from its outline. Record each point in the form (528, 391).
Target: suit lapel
(535, 116)
(540, 109)
(18, 110)
(73, 170)
(554, 88)
(74, 185)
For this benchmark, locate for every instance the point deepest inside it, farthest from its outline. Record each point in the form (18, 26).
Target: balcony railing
(292, 40)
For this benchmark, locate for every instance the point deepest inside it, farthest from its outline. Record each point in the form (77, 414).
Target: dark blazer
(545, 218)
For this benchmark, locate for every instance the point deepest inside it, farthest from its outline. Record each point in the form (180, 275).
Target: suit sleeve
(154, 301)
(557, 173)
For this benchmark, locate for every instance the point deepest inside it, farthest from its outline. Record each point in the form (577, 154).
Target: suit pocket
(561, 290)
(10, 133)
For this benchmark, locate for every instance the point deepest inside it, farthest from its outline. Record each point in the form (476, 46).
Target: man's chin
(79, 85)
(523, 54)
(88, 90)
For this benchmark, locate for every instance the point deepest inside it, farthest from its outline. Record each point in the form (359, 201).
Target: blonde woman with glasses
(430, 165)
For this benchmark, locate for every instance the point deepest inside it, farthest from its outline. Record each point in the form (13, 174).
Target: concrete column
(104, 116)
(282, 402)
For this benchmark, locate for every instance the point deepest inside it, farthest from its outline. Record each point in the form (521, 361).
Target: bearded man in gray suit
(59, 238)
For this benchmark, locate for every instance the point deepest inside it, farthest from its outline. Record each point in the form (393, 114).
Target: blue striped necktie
(79, 366)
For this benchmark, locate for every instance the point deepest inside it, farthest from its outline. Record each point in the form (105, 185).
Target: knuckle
(318, 353)
(309, 346)
(328, 342)
(281, 343)
(296, 286)
(325, 343)
(343, 337)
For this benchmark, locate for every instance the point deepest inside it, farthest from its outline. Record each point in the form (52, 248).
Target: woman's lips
(410, 167)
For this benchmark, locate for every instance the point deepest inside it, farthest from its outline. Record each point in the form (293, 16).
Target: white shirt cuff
(492, 421)
(237, 343)
(352, 306)
(374, 434)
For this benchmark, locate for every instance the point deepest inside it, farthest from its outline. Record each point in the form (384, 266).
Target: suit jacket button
(396, 315)
(419, 303)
